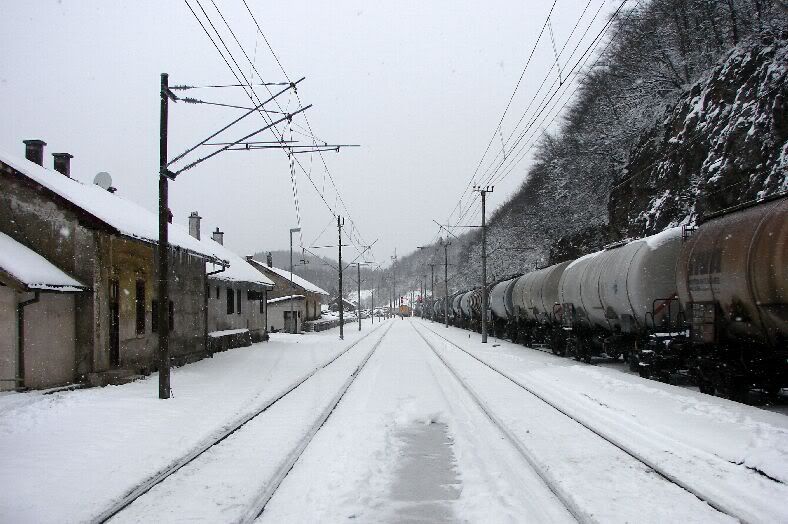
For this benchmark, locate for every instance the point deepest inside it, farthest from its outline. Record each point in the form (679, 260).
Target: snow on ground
(406, 442)
(358, 464)
(231, 476)
(658, 418)
(68, 455)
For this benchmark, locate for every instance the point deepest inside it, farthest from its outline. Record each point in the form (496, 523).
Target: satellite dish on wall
(104, 181)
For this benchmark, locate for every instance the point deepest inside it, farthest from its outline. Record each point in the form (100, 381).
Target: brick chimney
(34, 150)
(62, 163)
(269, 259)
(218, 236)
(194, 225)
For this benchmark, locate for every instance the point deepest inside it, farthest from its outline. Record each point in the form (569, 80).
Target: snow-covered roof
(128, 218)
(298, 281)
(239, 271)
(282, 299)
(32, 270)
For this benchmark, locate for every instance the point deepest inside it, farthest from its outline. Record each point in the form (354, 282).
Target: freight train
(709, 302)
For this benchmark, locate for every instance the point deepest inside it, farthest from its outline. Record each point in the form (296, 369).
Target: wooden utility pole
(483, 191)
(164, 267)
(339, 299)
(358, 275)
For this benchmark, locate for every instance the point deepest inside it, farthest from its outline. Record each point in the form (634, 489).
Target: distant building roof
(239, 271)
(283, 299)
(298, 281)
(32, 271)
(124, 216)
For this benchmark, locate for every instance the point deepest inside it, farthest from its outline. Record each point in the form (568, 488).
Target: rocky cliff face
(723, 143)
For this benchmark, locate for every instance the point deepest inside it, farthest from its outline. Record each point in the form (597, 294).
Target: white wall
(276, 318)
(250, 318)
(50, 335)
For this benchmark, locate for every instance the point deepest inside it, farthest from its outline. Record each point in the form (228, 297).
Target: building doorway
(114, 323)
(291, 321)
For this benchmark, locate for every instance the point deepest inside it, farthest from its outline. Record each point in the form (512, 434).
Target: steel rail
(722, 506)
(287, 464)
(545, 475)
(145, 486)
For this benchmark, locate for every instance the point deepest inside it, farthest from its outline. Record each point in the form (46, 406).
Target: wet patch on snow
(427, 482)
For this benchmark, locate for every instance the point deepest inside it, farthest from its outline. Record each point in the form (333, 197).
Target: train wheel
(634, 361)
(706, 386)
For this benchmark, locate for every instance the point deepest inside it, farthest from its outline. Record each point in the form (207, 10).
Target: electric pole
(340, 298)
(483, 191)
(394, 281)
(358, 275)
(167, 172)
(446, 280)
(432, 281)
(164, 267)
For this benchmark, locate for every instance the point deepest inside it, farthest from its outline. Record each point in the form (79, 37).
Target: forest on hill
(682, 113)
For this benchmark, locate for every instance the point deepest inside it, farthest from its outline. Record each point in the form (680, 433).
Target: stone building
(284, 286)
(236, 296)
(108, 244)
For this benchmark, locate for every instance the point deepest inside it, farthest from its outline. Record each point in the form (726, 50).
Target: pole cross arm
(253, 133)
(167, 173)
(214, 135)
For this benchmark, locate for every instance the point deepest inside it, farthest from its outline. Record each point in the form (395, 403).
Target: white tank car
(539, 292)
(465, 304)
(633, 276)
(615, 288)
(456, 310)
(501, 299)
(570, 286)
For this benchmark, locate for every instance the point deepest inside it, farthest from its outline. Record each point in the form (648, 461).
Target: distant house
(284, 286)
(347, 305)
(107, 244)
(236, 295)
(37, 319)
(284, 311)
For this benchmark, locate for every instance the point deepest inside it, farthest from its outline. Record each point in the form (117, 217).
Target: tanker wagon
(610, 299)
(732, 284)
(537, 311)
(502, 309)
(455, 311)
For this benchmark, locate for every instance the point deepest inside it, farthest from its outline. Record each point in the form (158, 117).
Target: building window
(230, 301)
(140, 306)
(218, 289)
(262, 304)
(239, 301)
(155, 316)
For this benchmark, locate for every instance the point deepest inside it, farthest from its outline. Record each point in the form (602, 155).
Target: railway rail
(723, 498)
(239, 424)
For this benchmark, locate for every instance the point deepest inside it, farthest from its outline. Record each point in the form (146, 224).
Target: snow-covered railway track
(242, 423)
(699, 476)
(561, 494)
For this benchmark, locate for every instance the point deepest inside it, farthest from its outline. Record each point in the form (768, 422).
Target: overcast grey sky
(420, 85)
